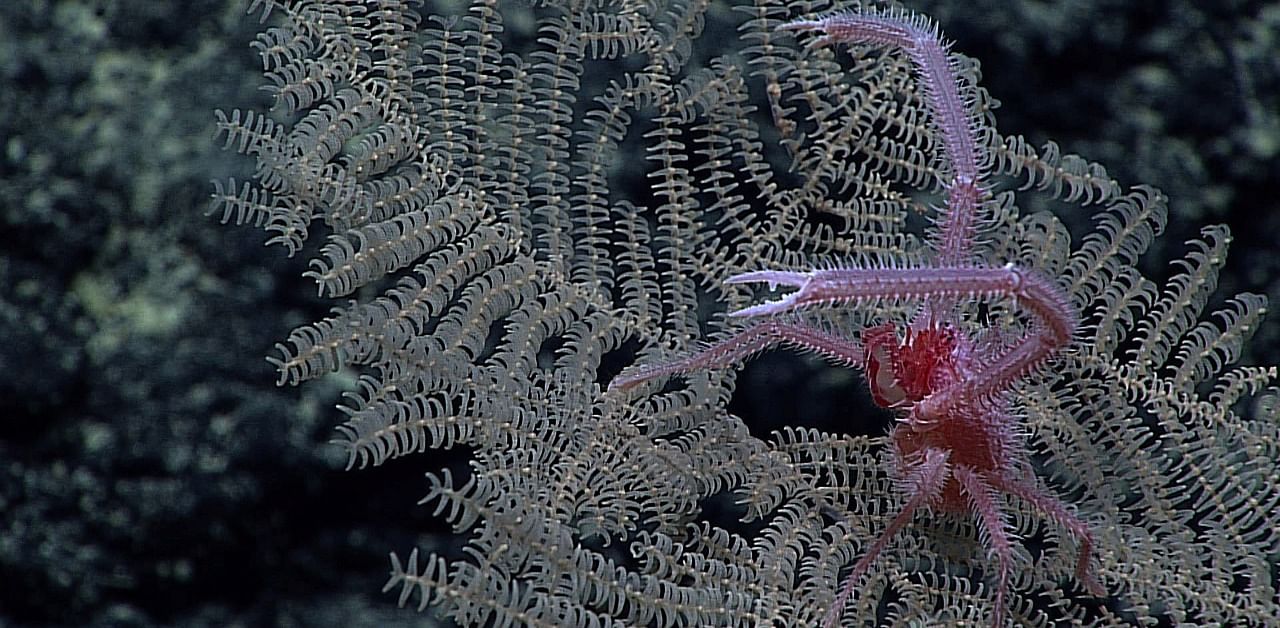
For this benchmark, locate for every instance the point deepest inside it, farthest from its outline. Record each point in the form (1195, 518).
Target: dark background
(150, 471)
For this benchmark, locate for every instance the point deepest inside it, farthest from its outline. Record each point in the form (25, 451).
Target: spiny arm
(952, 116)
(744, 344)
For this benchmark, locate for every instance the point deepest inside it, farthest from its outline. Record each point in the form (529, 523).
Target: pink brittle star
(955, 447)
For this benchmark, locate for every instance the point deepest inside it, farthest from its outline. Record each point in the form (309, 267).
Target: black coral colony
(557, 226)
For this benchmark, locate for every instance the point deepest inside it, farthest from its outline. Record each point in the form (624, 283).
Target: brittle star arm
(1058, 512)
(952, 118)
(991, 521)
(744, 344)
(1054, 324)
(925, 482)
